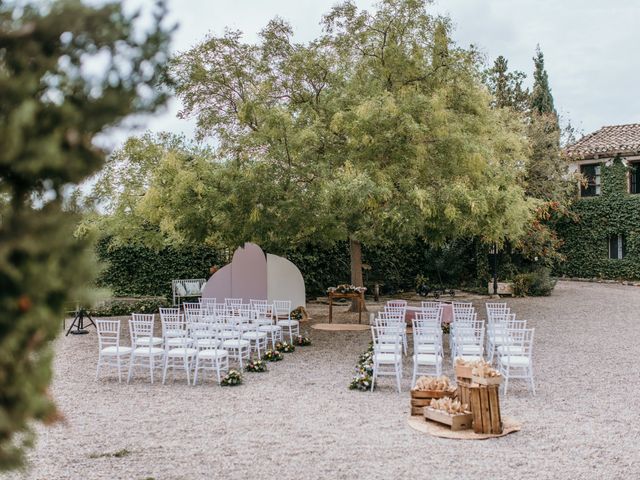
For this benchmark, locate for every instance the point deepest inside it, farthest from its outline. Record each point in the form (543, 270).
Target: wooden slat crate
(463, 374)
(485, 408)
(463, 393)
(422, 398)
(460, 421)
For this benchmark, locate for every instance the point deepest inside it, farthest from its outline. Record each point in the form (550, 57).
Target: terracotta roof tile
(608, 141)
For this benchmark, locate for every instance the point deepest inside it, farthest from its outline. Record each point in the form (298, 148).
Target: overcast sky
(591, 47)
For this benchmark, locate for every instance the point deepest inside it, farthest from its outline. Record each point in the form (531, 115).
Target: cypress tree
(541, 98)
(51, 109)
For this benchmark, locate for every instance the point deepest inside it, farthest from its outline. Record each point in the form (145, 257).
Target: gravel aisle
(300, 421)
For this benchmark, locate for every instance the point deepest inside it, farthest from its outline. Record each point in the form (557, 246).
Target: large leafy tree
(377, 131)
(52, 105)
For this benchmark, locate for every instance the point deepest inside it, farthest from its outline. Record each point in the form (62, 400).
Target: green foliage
(586, 236)
(120, 307)
(52, 106)
(506, 87)
(535, 284)
(541, 98)
(138, 270)
(380, 124)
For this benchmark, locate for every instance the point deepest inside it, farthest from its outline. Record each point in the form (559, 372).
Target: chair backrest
(254, 302)
(169, 311)
(141, 326)
(108, 333)
(425, 334)
(264, 313)
(468, 330)
(191, 287)
(173, 325)
(386, 342)
(393, 315)
(500, 321)
(432, 315)
(429, 305)
(282, 309)
(462, 309)
(396, 303)
(233, 302)
(207, 301)
(523, 339)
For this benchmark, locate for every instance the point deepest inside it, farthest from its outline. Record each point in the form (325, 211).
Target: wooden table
(358, 295)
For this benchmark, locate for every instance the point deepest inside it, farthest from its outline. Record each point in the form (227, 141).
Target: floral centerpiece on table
(273, 356)
(231, 379)
(364, 371)
(302, 341)
(256, 366)
(346, 289)
(285, 347)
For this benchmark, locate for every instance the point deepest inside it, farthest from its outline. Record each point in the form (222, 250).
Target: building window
(634, 177)
(617, 247)
(591, 183)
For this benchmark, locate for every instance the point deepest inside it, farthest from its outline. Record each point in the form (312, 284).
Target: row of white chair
(205, 337)
(505, 335)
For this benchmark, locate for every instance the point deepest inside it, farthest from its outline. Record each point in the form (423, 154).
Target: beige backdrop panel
(284, 281)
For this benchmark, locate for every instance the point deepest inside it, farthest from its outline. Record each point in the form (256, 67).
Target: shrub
(231, 379)
(119, 307)
(536, 284)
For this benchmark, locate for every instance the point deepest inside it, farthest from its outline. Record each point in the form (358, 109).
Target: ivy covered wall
(586, 238)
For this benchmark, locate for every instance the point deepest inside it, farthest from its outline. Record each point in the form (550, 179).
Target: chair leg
(373, 377)
(164, 370)
(119, 371)
(98, 367)
(398, 372)
(415, 369)
(195, 374)
(131, 362)
(186, 367)
(151, 365)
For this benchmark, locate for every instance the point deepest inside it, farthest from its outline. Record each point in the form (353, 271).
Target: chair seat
(213, 353)
(515, 361)
(253, 335)
(469, 358)
(501, 340)
(288, 323)
(181, 352)
(510, 349)
(200, 334)
(116, 351)
(142, 341)
(269, 328)
(427, 359)
(235, 343)
(387, 358)
(178, 342)
(174, 333)
(389, 348)
(148, 352)
(227, 334)
(469, 349)
(426, 348)
(207, 342)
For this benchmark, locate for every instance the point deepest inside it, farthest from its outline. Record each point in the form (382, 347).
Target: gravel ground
(300, 421)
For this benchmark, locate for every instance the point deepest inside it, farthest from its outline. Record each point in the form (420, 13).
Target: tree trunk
(355, 251)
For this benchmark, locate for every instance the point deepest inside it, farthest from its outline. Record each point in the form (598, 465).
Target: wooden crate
(422, 398)
(463, 393)
(463, 373)
(417, 411)
(487, 380)
(460, 421)
(485, 408)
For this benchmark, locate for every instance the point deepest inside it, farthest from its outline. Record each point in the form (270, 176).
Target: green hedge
(139, 271)
(586, 238)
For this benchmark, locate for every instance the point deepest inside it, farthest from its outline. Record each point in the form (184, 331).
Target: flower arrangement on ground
(285, 347)
(231, 379)
(302, 341)
(344, 288)
(256, 366)
(272, 356)
(364, 371)
(299, 314)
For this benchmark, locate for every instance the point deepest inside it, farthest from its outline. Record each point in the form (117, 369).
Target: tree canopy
(379, 130)
(51, 108)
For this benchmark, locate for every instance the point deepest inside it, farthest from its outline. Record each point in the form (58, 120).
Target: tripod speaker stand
(78, 321)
